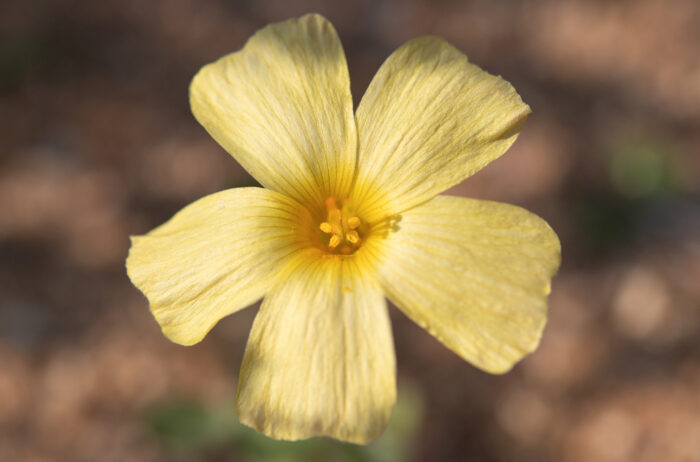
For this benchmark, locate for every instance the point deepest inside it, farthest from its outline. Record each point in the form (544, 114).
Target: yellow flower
(349, 214)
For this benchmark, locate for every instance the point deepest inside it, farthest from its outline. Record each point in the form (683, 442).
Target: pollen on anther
(326, 227)
(353, 222)
(333, 243)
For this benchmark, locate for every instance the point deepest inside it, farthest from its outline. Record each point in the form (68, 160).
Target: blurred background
(97, 142)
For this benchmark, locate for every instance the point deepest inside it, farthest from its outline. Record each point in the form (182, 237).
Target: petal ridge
(428, 120)
(490, 265)
(320, 358)
(214, 257)
(263, 105)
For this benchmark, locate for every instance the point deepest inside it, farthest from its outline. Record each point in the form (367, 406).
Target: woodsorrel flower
(349, 215)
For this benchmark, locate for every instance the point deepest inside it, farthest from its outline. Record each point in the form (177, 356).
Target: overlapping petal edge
(320, 357)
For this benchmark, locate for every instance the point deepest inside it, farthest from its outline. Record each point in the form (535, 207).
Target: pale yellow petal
(429, 119)
(475, 274)
(282, 107)
(320, 358)
(214, 257)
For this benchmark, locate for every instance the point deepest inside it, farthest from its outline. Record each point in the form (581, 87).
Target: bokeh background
(97, 142)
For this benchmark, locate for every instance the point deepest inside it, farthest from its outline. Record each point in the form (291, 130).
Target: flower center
(342, 230)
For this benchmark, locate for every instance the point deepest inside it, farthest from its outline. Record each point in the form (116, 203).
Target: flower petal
(214, 257)
(428, 120)
(282, 107)
(320, 357)
(475, 274)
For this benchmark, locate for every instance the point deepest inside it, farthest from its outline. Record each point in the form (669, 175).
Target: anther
(353, 222)
(333, 243)
(352, 237)
(326, 227)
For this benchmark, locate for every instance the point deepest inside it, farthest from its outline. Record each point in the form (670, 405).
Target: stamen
(341, 227)
(352, 237)
(353, 222)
